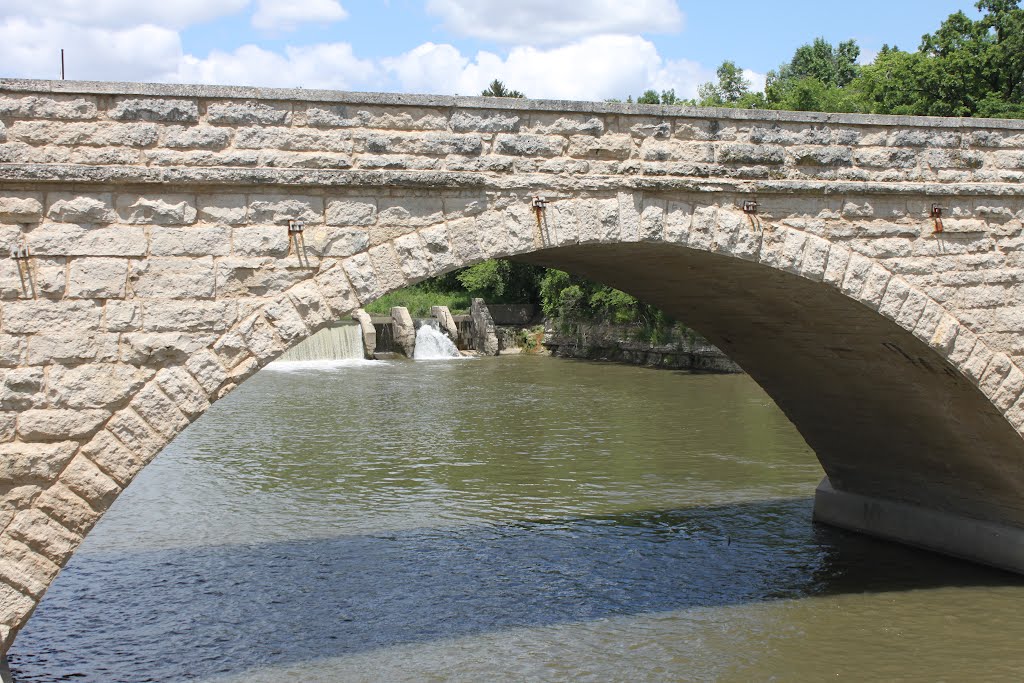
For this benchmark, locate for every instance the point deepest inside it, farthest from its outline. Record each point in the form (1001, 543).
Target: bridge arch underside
(894, 424)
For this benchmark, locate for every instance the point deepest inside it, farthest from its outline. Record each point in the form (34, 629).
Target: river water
(507, 519)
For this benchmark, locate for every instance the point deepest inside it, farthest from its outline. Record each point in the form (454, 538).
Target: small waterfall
(341, 342)
(432, 345)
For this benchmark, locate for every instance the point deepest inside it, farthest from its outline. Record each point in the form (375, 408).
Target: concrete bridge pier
(997, 545)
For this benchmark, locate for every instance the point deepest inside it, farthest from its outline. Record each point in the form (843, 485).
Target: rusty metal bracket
(296, 237)
(23, 257)
(539, 203)
(936, 214)
(750, 208)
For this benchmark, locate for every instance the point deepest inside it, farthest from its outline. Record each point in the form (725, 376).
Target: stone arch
(73, 476)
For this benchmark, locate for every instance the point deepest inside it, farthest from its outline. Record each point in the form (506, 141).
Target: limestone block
(159, 411)
(15, 606)
(413, 256)
(465, 244)
(446, 321)
(334, 285)
(25, 569)
(84, 134)
(485, 339)
(493, 230)
(761, 134)
(560, 226)
(812, 155)
(652, 220)
(997, 371)
(977, 362)
(257, 276)
(909, 137)
(167, 209)
(354, 211)
(630, 205)
(173, 278)
(929, 321)
(67, 508)
(122, 316)
(411, 212)
(362, 277)
(530, 145)
(21, 388)
(875, 285)
(223, 209)
(387, 267)
(146, 109)
(650, 128)
(486, 164)
(195, 137)
(71, 346)
(97, 278)
(69, 207)
(398, 162)
(89, 482)
(835, 271)
(654, 149)
(522, 233)
(41, 533)
(442, 256)
(311, 304)
(12, 350)
(27, 317)
(678, 220)
(243, 158)
(161, 348)
(294, 139)
(702, 228)
(53, 239)
(248, 113)
(286, 321)
(204, 366)
(260, 339)
(189, 316)
(609, 146)
(97, 386)
(598, 220)
(405, 331)
(261, 240)
(113, 457)
(896, 293)
(742, 153)
(193, 241)
(1009, 390)
(484, 122)
(814, 258)
(338, 241)
(885, 157)
(856, 275)
(22, 463)
(138, 437)
(48, 107)
(20, 207)
(279, 209)
(3, 132)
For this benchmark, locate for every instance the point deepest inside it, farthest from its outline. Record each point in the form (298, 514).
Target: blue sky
(573, 49)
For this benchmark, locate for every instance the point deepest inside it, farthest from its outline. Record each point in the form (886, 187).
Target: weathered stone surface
(353, 211)
(21, 207)
(485, 340)
(151, 109)
(53, 239)
(105, 385)
(163, 210)
(245, 113)
(66, 207)
(175, 278)
(97, 278)
(22, 463)
(405, 331)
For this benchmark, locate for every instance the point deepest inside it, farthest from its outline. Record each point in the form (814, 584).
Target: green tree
(498, 89)
(731, 87)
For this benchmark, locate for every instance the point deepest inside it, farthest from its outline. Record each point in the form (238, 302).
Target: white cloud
(594, 68)
(757, 80)
(286, 15)
(121, 14)
(31, 49)
(542, 22)
(327, 65)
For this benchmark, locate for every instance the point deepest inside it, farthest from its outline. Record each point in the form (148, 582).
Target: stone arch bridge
(867, 271)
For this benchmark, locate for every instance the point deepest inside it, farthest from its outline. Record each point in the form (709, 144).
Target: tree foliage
(498, 89)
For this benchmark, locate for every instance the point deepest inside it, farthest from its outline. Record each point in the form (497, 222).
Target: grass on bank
(419, 302)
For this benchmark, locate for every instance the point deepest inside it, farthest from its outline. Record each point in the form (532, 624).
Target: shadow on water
(197, 612)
